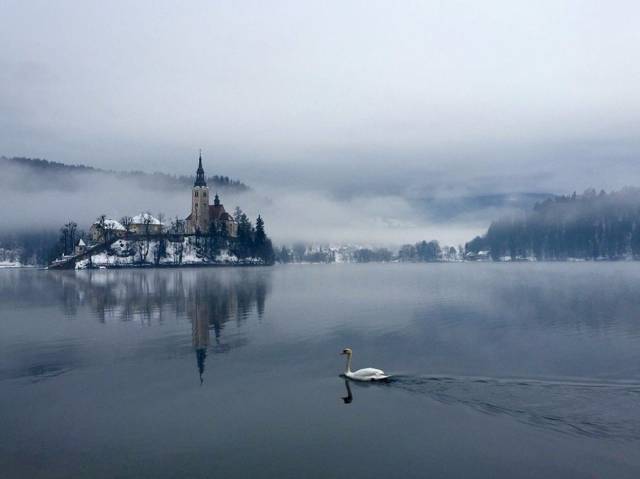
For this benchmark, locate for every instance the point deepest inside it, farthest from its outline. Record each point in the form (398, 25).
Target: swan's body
(365, 374)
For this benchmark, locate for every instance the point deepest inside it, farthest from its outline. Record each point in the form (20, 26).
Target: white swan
(366, 374)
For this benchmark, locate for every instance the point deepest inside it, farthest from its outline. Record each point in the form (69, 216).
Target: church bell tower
(200, 200)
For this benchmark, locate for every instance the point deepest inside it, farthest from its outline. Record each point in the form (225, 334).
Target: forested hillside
(35, 173)
(587, 226)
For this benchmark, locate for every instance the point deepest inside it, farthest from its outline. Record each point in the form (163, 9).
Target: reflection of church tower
(200, 201)
(200, 333)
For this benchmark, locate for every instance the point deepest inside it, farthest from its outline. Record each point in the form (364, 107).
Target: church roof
(200, 179)
(216, 213)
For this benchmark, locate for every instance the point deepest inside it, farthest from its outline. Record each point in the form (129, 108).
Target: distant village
(209, 235)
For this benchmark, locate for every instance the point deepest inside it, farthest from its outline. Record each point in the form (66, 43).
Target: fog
(291, 214)
(346, 118)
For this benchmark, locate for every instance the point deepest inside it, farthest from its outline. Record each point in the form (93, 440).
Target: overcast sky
(403, 96)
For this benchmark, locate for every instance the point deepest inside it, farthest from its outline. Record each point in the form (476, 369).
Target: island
(208, 236)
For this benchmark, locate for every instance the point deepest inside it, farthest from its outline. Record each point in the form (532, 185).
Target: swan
(366, 374)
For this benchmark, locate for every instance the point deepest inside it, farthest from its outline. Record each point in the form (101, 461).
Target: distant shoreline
(249, 265)
(252, 265)
(184, 265)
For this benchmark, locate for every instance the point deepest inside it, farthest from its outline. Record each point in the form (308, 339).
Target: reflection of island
(212, 301)
(208, 298)
(200, 333)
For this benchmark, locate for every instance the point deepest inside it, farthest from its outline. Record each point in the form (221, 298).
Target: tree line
(580, 226)
(251, 241)
(39, 172)
(422, 251)
(35, 247)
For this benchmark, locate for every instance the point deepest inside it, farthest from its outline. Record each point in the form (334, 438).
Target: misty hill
(36, 174)
(442, 209)
(586, 226)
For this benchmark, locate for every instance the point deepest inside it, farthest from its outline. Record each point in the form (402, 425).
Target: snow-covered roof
(142, 217)
(81, 242)
(111, 225)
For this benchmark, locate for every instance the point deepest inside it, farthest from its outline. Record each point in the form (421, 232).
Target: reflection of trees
(593, 297)
(149, 296)
(208, 298)
(143, 296)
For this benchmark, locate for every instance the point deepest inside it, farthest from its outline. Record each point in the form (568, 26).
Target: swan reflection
(348, 399)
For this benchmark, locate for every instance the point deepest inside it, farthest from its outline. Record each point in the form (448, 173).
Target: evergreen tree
(262, 245)
(244, 242)
(284, 255)
(587, 226)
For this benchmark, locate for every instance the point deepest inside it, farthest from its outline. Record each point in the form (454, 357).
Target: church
(203, 215)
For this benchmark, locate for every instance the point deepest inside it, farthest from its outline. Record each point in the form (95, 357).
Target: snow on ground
(10, 264)
(145, 218)
(82, 264)
(10, 258)
(144, 253)
(111, 224)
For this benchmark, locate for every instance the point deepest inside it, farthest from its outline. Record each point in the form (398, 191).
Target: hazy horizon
(350, 110)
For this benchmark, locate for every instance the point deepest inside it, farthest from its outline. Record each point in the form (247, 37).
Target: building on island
(80, 248)
(146, 224)
(202, 220)
(204, 216)
(106, 229)
(142, 224)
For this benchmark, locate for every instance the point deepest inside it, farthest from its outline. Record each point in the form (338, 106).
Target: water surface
(500, 370)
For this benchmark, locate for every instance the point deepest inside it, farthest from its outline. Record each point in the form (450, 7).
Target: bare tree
(177, 226)
(146, 222)
(161, 217)
(72, 228)
(161, 244)
(64, 239)
(127, 221)
(101, 223)
(177, 231)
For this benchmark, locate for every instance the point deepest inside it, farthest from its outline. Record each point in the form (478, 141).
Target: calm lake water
(500, 370)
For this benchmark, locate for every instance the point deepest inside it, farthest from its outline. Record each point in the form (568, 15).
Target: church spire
(200, 179)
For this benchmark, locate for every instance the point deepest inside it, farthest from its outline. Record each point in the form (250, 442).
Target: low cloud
(291, 215)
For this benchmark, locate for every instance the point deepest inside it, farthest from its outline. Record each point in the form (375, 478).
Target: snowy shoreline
(172, 265)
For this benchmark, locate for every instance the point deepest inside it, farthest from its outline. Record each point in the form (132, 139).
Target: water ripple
(605, 410)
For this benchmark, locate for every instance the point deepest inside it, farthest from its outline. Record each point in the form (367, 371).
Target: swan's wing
(368, 373)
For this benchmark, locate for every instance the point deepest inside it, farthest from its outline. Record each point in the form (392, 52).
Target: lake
(499, 370)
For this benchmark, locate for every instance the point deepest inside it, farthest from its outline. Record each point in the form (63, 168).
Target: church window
(196, 194)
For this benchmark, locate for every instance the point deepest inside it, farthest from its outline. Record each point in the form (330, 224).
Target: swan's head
(346, 351)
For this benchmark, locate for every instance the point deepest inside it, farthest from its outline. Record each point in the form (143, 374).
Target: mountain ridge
(63, 176)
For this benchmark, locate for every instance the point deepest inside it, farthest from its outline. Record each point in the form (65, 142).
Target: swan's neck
(348, 363)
